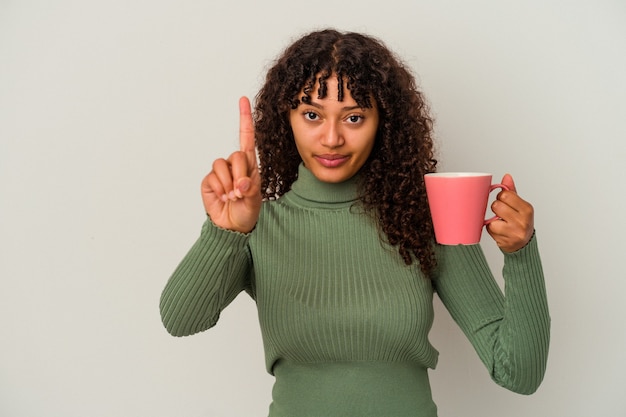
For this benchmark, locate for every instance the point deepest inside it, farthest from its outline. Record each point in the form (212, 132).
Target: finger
(246, 130)
(240, 173)
(503, 210)
(497, 232)
(495, 229)
(519, 216)
(509, 238)
(508, 181)
(514, 201)
(222, 174)
(211, 185)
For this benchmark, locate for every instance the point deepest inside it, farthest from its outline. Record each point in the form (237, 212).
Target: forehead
(330, 89)
(334, 85)
(326, 87)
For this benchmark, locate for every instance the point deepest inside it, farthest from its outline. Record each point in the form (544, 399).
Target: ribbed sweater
(344, 320)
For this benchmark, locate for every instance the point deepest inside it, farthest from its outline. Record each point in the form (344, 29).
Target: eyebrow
(347, 108)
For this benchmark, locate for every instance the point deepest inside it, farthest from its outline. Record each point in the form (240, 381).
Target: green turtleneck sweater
(344, 320)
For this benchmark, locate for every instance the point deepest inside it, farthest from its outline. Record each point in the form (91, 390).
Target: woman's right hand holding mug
(231, 192)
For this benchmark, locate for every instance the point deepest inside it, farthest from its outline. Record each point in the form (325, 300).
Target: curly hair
(391, 185)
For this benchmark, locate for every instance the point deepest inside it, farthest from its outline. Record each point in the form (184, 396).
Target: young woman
(331, 236)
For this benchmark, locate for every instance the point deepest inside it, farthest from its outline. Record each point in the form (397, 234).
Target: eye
(354, 119)
(309, 115)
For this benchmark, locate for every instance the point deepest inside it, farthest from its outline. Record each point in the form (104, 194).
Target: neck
(310, 189)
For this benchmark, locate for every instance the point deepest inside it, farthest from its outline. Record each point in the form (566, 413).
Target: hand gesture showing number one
(231, 192)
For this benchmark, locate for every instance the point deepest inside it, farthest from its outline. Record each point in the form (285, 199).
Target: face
(334, 138)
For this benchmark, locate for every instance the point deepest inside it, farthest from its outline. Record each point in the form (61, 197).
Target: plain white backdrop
(112, 112)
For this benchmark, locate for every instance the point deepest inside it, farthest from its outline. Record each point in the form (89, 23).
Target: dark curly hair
(391, 184)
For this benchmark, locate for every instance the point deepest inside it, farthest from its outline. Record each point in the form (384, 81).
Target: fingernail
(244, 185)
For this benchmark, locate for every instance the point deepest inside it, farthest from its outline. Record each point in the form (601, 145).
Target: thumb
(508, 181)
(247, 187)
(244, 185)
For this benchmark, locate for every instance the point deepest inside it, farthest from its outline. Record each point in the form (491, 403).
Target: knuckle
(236, 158)
(219, 164)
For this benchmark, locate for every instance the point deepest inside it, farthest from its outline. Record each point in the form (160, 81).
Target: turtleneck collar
(309, 191)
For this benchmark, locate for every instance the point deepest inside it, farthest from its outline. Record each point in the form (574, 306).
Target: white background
(111, 113)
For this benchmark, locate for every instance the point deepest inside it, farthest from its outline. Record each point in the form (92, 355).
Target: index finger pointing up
(246, 127)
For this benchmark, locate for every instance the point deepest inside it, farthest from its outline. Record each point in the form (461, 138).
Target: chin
(332, 177)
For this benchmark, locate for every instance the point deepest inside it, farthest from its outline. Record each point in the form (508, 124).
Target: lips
(331, 160)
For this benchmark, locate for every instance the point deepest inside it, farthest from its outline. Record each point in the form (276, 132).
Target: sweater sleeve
(214, 271)
(510, 331)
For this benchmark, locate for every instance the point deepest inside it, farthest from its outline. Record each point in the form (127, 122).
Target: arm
(510, 331)
(210, 276)
(218, 266)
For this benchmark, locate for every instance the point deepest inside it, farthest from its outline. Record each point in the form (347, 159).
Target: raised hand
(516, 225)
(231, 192)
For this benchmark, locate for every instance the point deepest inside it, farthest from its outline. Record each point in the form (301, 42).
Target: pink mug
(458, 203)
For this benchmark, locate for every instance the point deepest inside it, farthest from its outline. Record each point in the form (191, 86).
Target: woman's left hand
(515, 226)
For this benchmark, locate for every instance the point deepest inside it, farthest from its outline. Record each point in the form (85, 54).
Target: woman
(331, 235)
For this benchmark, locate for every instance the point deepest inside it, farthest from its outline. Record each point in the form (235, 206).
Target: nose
(332, 136)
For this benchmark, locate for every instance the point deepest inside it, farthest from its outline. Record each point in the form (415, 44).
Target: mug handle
(493, 187)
